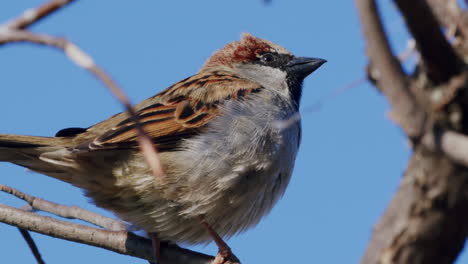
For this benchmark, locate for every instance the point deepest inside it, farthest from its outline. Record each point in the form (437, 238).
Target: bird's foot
(225, 256)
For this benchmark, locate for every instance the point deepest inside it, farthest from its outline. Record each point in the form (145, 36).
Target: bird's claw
(225, 256)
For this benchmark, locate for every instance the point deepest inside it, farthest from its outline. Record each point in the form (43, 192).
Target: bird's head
(264, 62)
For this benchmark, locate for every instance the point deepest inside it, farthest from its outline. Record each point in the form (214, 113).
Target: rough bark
(427, 220)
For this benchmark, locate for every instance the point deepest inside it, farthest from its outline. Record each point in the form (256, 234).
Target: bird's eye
(267, 58)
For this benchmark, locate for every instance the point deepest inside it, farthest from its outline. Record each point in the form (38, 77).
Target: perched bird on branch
(226, 161)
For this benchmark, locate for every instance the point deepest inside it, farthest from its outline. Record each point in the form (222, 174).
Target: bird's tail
(46, 155)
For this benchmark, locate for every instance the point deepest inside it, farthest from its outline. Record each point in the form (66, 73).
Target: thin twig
(318, 104)
(69, 212)
(117, 241)
(12, 32)
(34, 15)
(83, 60)
(144, 141)
(32, 245)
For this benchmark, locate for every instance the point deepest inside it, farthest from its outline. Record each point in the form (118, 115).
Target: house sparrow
(225, 159)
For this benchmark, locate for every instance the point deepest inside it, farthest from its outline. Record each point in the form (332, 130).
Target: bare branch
(426, 220)
(117, 241)
(388, 73)
(451, 143)
(32, 245)
(8, 36)
(83, 60)
(70, 212)
(437, 54)
(145, 142)
(11, 33)
(32, 16)
(446, 12)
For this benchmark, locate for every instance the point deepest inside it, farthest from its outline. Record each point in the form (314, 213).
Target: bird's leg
(156, 246)
(224, 251)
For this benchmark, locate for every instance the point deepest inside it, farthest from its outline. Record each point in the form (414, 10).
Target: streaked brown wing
(181, 111)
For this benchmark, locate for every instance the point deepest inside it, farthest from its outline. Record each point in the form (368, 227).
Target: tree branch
(34, 15)
(80, 58)
(426, 221)
(437, 54)
(118, 241)
(32, 245)
(70, 212)
(388, 73)
(12, 32)
(446, 12)
(454, 145)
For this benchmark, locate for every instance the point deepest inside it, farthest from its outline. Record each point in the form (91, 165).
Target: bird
(226, 161)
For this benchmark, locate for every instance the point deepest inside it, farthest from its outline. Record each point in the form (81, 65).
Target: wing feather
(181, 111)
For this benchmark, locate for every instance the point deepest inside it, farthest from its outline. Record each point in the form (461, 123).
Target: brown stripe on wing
(156, 111)
(198, 119)
(165, 124)
(163, 130)
(181, 111)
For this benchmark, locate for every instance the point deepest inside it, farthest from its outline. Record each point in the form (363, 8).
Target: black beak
(302, 66)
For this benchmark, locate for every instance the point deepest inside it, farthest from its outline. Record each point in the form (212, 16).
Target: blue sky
(351, 159)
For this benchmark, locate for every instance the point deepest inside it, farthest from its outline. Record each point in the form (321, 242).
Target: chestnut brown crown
(247, 49)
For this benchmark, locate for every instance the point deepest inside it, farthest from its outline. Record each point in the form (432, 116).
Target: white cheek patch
(268, 77)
